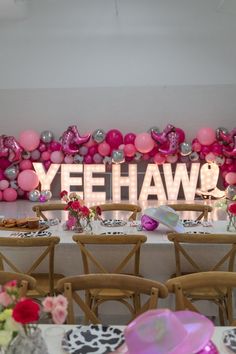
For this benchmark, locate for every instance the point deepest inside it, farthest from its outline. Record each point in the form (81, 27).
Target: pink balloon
(181, 135)
(92, 150)
(153, 152)
(1, 174)
(26, 165)
(4, 163)
(55, 145)
(90, 142)
(28, 180)
(171, 158)
(206, 136)
(35, 155)
(230, 178)
(114, 138)
(146, 157)
(45, 156)
(196, 146)
(88, 159)
(159, 159)
(68, 159)
(42, 147)
(57, 157)
(1, 195)
(104, 149)
(4, 184)
(129, 138)
(129, 150)
(205, 150)
(144, 142)
(29, 140)
(9, 195)
(216, 148)
(47, 164)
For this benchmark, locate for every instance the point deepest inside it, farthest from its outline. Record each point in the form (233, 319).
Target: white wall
(129, 64)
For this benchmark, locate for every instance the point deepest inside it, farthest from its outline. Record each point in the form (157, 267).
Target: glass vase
(30, 343)
(78, 227)
(232, 223)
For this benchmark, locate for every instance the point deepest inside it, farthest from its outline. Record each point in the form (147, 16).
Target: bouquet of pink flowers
(77, 209)
(18, 315)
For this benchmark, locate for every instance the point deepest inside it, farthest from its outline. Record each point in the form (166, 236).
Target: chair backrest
(90, 259)
(40, 208)
(135, 209)
(47, 245)
(201, 210)
(24, 281)
(181, 286)
(182, 252)
(70, 286)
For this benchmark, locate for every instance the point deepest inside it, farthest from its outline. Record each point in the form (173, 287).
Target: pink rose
(59, 314)
(9, 285)
(5, 299)
(48, 304)
(60, 300)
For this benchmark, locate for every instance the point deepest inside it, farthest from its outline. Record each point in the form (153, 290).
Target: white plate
(96, 339)
(190, 223)
(42, 233)
(113, 222)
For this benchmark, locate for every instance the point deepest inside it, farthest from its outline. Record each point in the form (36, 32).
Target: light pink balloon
(1, 196)
(35, 155)
(129, 150)
(29, 140)
(57, 157)
(4, 184)
(206, 136)
(104, 149)
(9, 195)
(144, 142)
(171, 158)
(231, 178)
(210, 157)
(26, 165)
(68, 159)
(28, 180)
(159, 159)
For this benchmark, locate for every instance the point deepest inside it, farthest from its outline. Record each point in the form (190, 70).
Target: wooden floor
(23, 208)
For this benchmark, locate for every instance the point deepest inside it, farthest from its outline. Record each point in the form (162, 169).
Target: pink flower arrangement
(57, 307)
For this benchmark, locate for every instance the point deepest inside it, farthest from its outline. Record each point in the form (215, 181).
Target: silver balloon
(153, 129)
(230, 192)
(11, 172)
(219, 160)
(118, 156)
(26, 155)
(138, 156)
(14, 185)
(185, 149)
(219, 130)
(99, 135)
(34, 195)
(107, 160)
(78, 158)
(47, 194)
(194, 156)
(46, 136)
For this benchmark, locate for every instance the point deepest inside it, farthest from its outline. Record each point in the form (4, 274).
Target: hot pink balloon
(1, 196)
(4, 163)
(129, 138)
(88, 159)
(26, 165)
(47, 164)
(196, 146)
(45, 156)
(206, 136)
(29, 140)
(28, 180)
(92, 150)
(42, 147)
(181, 135)
(114, 138)
(9, 195)
(216, 148)
(55, 146)
(205, 150)
(159, 159)
(57, 157)
(1, 174)
(104, 149)
(144, 143)
(4, 184)
(230, 178)
(129, 150)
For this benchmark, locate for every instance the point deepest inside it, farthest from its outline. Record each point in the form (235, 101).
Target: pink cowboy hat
(166, 332)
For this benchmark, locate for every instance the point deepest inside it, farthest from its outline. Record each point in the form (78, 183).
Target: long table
(157, 255)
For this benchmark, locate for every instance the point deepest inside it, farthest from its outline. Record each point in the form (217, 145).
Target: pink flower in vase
(59, 314)
(5, 299)
(232, 208)
(48, 304)
(70, 223)
(61, 301)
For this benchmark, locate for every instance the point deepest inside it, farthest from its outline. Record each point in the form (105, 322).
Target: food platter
(113, 223)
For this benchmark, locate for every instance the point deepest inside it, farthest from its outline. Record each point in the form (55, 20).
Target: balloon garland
(18, 179)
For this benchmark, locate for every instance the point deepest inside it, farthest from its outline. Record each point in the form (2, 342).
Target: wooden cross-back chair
(130, 256)
(45, 246)
(133, 208)
(71, 286)
(24, 281)
(201, 209)
(183, 285)
(224, 262)
(39, 209)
